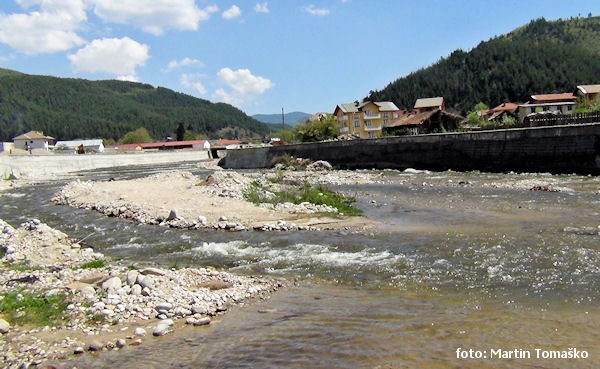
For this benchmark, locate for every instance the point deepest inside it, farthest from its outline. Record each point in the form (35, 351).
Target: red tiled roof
(554, 97)
(505, 106)
(34, 135)
(155, 145)
(412, 119)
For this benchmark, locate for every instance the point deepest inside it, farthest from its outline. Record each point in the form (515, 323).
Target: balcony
(343, 117)
(371, 116)
(373, 128)
(344, 129)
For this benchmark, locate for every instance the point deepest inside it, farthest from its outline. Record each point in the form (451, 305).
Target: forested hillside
(541, 57)
(68, 108)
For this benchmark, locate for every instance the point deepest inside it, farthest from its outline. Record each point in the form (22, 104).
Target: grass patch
(94, 264)
(22, 266)
(33, 308)
(306, 193)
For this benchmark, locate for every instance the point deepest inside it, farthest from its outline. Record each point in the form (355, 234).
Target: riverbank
(59, 298)
(220, 201)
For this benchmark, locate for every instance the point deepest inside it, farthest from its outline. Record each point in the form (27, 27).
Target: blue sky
(259, 56)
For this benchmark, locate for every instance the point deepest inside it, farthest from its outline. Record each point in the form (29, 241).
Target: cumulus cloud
(128, 78)
(319, 12)
(261, 8)
(153, 16)
(50, 29)
(117, 56)
(173, 64)
(243, 86)
(193, 81)
(232, 12)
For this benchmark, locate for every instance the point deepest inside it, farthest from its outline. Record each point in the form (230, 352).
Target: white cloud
(243, 85)
(128, 78)
(232, 12)
(261, 8)
(47, 30)
(319, 12)
(183, 63)
(153, 16)
(117, 56)
(193, 81)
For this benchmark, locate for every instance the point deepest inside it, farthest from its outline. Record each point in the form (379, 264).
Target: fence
(559, 119)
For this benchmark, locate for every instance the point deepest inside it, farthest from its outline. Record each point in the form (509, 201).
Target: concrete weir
(556, 149)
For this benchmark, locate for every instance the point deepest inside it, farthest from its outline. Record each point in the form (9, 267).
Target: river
(462, 261)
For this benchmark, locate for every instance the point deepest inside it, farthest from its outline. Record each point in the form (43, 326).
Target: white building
(33, 140)
(95, 145)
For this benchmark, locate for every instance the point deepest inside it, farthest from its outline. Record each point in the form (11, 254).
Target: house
(95, 145)
(318, 116)
(430, 104)
(434, 121)
(588, 92)
(33, 140)
(499, 111)
(365, 120)
(166, 145)
(563, 103)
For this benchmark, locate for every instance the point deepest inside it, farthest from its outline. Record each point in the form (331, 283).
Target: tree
(140, 135)
(318, 130)
(180, 132)
(286, 136)
(475, 116)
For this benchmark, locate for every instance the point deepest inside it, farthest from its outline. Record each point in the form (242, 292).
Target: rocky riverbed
(181, 200)
(106, 305)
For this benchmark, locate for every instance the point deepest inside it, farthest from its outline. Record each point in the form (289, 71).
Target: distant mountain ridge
(68, 108)
(290, 118)
(540, 57)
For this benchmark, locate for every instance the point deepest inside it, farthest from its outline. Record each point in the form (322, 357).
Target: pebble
(78, 350)
(161, 329)
(95, 346)
(4, 326)
(140, 332)
(120, 343)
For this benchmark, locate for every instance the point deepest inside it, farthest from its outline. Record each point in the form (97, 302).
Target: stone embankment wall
(557, 149)
(49, 166)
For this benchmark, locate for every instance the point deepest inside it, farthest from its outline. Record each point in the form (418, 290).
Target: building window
(368, 123)
(386, 115)
(569, 107)
(395, 115)
(356, 123)
(371, 135)
(386, 121)
(355, 115)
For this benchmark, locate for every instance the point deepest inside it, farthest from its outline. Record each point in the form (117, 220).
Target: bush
(140, 135)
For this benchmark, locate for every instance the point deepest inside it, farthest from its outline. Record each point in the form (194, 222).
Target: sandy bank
(182, 200)
(109, 306)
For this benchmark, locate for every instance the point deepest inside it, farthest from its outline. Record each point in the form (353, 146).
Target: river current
(461, 261)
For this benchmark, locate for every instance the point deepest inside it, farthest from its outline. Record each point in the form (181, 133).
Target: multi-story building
(365, 120)
(563, 103)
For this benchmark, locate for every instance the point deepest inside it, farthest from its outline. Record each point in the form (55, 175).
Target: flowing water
(462, 260)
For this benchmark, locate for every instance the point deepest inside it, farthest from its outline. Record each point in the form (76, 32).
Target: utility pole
(282, 120)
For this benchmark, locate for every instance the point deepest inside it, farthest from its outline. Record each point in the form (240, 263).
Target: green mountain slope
(68, 108)
(540, 57)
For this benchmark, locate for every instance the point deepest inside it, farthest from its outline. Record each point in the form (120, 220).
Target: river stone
(95, 346)
(153, 271)
(161, 329)
(200, 308)
(136, 342)
(88, 292)
(163, 306)
(172, 215)
(78, 350)
(113, 283)
(136, 289)
(120, 343)
(4, 326)
(140, 332)
(145, 291)
(132, 277)
(202, 220)
(201, 321)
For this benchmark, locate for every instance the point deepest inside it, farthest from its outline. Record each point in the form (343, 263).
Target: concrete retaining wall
(49, 166)
(558, 149)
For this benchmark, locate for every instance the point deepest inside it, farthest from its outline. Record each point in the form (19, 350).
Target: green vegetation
(541, 57)
(94, 264)
(68, 108)
(140, 135)
(20, 266)
(587, 106)
(33, 308)
(317, 130)
(304, 193)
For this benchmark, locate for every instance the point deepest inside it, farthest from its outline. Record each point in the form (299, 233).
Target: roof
(554, 97)
(33, 135)
(75, 143)
(348, 108)
(429, 102)
(547, 104)
(589, 89)
(157, 145)
(505, 107)
(411, 119)
(386, 106)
